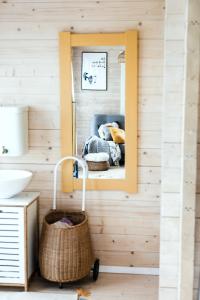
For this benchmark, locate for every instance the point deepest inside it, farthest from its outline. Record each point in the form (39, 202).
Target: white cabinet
(18, 239)
(13, 140)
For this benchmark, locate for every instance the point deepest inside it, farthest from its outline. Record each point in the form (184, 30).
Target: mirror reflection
(99, 110)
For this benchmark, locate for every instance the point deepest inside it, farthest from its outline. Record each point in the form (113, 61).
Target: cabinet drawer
(11, 227)
(9, 251)
(9, 239)
(12, 213)
(12, 257)
(10, 277)
(9, 221)
(11, 244)
(11, 273)
(9, 232)
(4, 245)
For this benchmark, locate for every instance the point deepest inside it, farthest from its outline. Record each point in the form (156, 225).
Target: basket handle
(85, 172)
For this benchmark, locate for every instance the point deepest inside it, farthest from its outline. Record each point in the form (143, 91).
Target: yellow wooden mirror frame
(128, 39)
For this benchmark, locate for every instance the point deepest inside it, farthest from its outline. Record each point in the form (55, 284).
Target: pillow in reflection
(104, 130)
(118, 135)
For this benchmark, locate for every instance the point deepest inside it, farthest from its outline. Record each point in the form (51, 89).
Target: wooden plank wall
(172, 133)
(197, 223)
(124, 227)
(179, 139)
(190, 153)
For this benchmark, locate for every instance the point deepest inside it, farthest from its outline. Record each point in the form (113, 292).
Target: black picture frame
(97, 62)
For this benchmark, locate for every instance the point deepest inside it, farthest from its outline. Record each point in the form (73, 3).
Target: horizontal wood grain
(121, 243)
(131, 258)
(50, 138)
(89, 11)
(46, 49)
(149, 29)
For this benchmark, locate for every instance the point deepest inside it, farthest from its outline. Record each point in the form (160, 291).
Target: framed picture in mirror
(94, 71)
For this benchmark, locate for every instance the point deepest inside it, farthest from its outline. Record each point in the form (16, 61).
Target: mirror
(99, 86)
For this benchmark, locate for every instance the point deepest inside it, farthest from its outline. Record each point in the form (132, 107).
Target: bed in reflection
(104, 149)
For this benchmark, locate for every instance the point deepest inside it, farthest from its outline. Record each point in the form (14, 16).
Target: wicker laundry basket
(65, 254)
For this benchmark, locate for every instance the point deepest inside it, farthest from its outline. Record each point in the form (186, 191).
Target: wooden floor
(123, 287)
(107, 287)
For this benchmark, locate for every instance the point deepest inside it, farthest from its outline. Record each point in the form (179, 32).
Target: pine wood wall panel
(29, 74)
(79, 10)
(179, 135)
(197, 223)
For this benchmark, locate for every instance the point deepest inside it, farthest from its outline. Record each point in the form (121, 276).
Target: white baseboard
(129, 270)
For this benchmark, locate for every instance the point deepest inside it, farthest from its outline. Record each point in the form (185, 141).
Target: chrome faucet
(4, 150)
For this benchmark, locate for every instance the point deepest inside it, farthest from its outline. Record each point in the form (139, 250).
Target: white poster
(94, 71)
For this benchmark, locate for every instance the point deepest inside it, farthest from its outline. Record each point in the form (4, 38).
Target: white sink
(12, 182)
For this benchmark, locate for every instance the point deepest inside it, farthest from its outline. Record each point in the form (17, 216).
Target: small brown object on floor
(83, 293)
